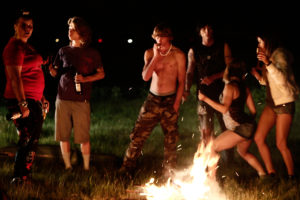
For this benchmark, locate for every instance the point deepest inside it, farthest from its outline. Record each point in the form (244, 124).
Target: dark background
(116, 21)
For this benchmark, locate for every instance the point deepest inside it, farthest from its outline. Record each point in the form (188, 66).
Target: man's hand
(52, 70)
(207, 80)
(24, 109)
(185, 96)
(176, 106)
(201, 96)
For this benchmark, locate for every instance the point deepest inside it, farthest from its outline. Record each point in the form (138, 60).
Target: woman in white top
(282, 91)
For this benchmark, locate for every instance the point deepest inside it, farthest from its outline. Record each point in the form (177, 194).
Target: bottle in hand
(78, 87)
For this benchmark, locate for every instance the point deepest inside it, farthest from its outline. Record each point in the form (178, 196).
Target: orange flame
(196, 183)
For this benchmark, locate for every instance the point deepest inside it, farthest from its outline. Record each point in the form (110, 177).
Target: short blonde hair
(162, 30)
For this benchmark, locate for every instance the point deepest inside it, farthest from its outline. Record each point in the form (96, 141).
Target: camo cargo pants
(156, 109)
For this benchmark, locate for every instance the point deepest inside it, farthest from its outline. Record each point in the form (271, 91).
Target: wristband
(23, 103)
(269, 63)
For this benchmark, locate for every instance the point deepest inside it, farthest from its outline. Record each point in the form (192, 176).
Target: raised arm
(151, 57)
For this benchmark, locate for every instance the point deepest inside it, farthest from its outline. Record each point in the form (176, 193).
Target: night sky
(116, 21)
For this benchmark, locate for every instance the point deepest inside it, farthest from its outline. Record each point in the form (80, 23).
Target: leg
(86, 152)
(206, 121)
(227, 155)
(147, 120)
(224, 141)
(170, 129)
(63, 127)
(81, 118)
(66, 153)
(266, 122)
(29, 129)
(283, 124)
(242, 149)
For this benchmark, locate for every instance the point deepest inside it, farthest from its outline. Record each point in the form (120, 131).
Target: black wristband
(23, 103)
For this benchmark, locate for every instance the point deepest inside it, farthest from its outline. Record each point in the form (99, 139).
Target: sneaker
(269, 180)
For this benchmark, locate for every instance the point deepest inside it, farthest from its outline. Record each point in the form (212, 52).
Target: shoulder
(65, 48)
(178, 52)
(232, 85)
(282, 53)
(15, 44)
(149, 52)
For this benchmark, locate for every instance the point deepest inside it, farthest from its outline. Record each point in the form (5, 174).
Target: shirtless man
(165, 64)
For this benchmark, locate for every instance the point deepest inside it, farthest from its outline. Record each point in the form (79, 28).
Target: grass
(113, 117)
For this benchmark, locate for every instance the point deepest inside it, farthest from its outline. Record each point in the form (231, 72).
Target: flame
(195, 183)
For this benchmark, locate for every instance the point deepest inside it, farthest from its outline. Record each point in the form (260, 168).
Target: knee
(215, 148)
(281, 145)
(258, 140)
(242, 153)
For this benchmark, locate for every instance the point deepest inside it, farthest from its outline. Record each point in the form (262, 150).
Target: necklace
(167, 51)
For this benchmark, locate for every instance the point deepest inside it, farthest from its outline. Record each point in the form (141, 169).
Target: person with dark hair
(207, 59)
(165, 66)
(23, 94)
(281, 93)
(240, 125)
(78, 65)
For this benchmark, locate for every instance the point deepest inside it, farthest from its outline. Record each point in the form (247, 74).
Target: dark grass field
(113, 118)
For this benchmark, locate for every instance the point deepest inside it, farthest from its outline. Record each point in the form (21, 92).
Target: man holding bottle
(75, 64)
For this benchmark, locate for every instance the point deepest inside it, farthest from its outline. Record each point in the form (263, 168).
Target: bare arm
(181, 73)
(227, 99)
(190, 70)
(227, 54)
(250, 102)
(91, 78)
(53, 70)
(151, 57)
(14, 74)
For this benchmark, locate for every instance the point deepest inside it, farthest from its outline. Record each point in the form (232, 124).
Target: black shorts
(287, 108)
(246, 130)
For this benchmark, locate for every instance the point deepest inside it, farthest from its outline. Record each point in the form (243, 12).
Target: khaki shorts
(72, 114)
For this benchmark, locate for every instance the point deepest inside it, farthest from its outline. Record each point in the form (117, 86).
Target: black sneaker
(269, 180)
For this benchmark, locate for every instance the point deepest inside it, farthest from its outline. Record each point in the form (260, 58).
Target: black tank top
(237, 107)
(209, 61)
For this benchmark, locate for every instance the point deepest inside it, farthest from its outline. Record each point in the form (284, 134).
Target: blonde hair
(162, 30)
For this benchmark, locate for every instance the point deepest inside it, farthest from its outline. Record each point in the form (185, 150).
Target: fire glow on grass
(194, 183)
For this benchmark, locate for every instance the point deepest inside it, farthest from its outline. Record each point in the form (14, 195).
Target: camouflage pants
(156, 109)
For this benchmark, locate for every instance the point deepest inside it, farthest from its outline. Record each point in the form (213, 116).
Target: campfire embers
(195, 183)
